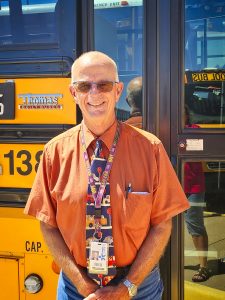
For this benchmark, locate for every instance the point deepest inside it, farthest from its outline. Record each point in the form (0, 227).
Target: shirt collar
(107, 137)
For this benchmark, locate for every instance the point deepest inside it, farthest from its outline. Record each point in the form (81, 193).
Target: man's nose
(94, 88)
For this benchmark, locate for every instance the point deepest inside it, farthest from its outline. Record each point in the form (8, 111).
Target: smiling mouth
(96, 104)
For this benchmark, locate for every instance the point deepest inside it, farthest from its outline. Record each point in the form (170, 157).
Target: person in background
(194, 187)
(133, 173)
(134, 100)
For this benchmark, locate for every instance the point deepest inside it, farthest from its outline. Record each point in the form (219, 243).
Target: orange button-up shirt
(58, 195)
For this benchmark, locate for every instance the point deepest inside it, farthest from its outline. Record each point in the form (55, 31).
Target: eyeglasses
(102, 86)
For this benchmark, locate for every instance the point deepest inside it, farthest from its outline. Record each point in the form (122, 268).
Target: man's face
(96, 105)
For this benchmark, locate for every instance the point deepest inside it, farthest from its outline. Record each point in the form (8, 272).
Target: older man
(108, 187)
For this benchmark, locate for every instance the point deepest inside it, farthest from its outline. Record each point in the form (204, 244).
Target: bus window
(205, 63)
(119, 33)
(36, 18)
(34, 38)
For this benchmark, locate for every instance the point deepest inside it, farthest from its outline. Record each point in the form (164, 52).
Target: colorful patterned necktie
(105, 233)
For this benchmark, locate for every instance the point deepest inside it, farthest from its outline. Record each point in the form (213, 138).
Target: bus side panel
(22, 242)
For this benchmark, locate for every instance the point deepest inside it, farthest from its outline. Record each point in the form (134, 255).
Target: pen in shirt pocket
(129, 189)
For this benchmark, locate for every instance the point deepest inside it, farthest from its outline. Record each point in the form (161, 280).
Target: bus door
(37, 48)
(200, 151)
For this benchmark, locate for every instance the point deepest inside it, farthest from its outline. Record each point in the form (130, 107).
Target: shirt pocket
(137, 212)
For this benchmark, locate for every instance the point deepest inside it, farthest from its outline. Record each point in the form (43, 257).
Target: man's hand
(119, 292)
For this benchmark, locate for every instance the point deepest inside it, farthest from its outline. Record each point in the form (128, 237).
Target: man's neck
(98, 128)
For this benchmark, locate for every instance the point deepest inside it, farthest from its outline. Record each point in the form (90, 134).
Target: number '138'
(26, 166)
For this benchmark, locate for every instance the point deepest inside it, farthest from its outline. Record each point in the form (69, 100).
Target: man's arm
(150, 252)
(148, 256)
(65, 260)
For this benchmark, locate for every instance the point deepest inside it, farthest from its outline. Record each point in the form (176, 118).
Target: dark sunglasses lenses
(103, 86)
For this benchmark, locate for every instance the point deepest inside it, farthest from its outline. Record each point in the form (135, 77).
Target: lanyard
(99, 195)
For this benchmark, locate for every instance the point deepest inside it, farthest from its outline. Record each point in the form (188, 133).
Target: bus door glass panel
(204, 223)
(205, 63)
(24, 21)
(119, 34)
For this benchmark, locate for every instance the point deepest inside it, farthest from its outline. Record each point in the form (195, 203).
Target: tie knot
(98, 148)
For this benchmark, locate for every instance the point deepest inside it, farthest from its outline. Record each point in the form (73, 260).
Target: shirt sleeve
(168, 196)
(41, 204)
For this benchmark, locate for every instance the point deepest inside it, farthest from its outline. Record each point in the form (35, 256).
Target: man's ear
(119, 90)
(73, 92)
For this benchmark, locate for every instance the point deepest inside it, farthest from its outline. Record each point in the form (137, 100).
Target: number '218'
(25, 162)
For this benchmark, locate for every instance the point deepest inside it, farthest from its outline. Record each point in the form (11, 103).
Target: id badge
(98, 258)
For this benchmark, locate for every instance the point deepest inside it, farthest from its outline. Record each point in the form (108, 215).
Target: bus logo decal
(40, 101)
